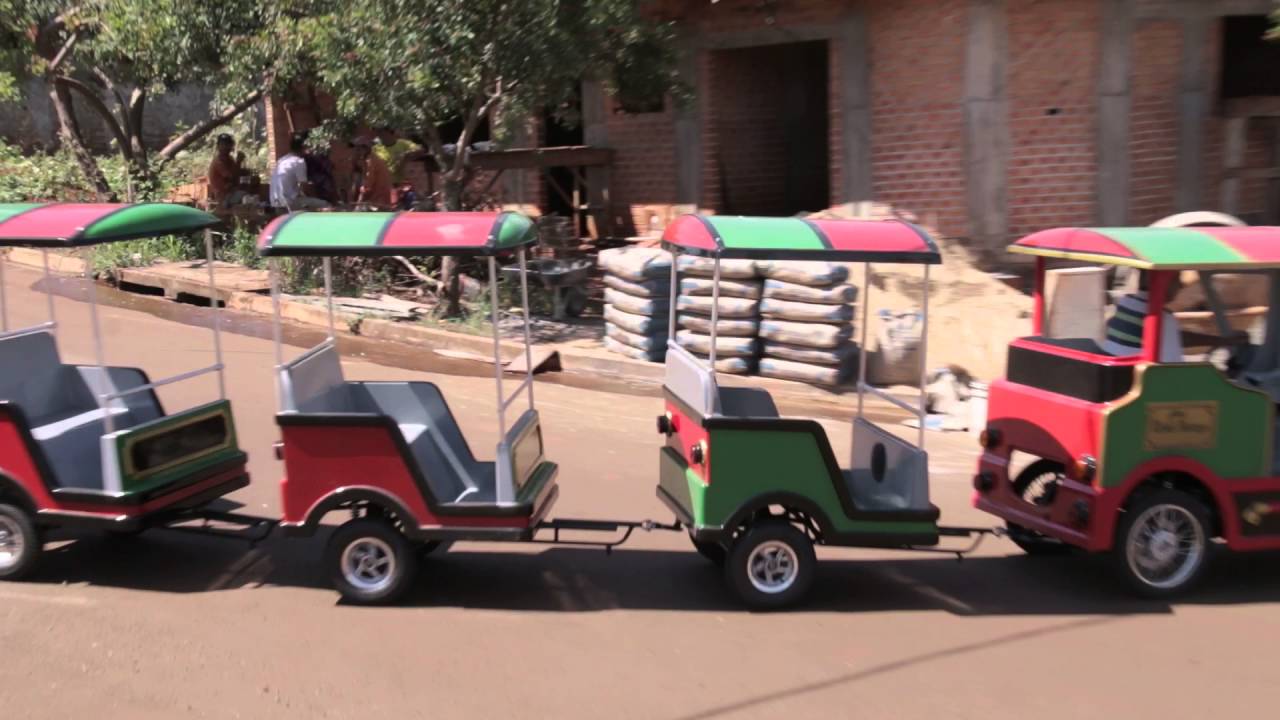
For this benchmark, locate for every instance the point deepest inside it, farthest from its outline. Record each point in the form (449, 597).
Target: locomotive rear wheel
(1036, 484)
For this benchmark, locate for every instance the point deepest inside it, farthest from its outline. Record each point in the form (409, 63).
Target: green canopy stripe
(332, 230)
(513, 229)
(765, 233)
(1174, 246)
(146, 220)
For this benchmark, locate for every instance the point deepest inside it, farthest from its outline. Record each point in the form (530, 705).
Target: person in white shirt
(289, 187)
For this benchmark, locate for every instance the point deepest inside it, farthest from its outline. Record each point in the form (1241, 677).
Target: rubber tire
(712, 551)
(405, 556)
(32, 545)
(1032, 542)
(1163, 496)
(736, 572)
(434, 547)
(575, 301)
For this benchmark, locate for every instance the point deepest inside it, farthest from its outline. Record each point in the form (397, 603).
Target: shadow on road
(580, 580)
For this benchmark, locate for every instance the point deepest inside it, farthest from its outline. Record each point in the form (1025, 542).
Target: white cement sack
(733, 328)
(636, 305)
(814, 356)
(636, 263)
(806, 334)
(728, 307)
(705, 267)
(896, 360)
(732, 365)
(813, 374)
(831, 295)
(728, 288)
(639, 324)
(726, 346)
(776, 309)
(816, 274)
(635, 353)
(635, 340)
(644, 288)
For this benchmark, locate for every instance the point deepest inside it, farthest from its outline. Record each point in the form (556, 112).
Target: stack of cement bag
(636, 301)
(807, 330)
(738, 312)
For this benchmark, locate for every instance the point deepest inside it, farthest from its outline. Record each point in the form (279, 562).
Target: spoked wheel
(370, 562)
(20, 543)
(771, 565)
(715, 552)
(1162, 545)
(1038, 484)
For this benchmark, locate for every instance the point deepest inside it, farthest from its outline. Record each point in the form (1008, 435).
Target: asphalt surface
(169, 625)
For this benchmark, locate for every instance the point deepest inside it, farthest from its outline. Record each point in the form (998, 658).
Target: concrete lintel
(1175, 9)
(769, 36)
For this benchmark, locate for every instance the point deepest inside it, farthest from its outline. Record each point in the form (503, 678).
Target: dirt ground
(168, 626)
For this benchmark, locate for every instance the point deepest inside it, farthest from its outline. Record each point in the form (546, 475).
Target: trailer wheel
(370, 561)
(713, 551)
(771, 565)
(1162, 543)
(20, 543)
(1037, 484)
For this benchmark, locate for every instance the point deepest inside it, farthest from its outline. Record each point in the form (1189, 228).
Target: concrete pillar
(1114, 102)
(855, 107)
(986, 116)
(1193, 107)
(689, 126)
(595, 132)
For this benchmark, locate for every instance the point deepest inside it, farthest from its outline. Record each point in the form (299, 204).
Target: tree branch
(63, 52)
(184, 140)
(101, 108)
(424, 279)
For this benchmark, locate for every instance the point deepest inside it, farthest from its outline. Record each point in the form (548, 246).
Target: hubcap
(772, 567)
(1166, 545)
(11, 543)
(369, 564)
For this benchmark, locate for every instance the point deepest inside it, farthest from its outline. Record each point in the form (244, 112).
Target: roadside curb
(421, 336)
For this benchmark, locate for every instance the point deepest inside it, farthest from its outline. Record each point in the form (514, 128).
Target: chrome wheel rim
(773, 567)
(12, 542)
(369, 564)
(1165, 547)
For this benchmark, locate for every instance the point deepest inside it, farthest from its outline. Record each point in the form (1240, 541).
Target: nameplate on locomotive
(1181, 426)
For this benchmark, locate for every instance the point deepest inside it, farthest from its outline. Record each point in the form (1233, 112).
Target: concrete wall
(34, 123)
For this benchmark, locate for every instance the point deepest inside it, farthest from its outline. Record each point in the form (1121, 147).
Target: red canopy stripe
(59, 220)
(445, 230)
(269, 232)
(689, 231)
(1075, 240)
(872, 236)
(1259, 244)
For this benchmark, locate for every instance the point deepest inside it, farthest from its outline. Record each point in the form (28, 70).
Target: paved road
(172, 626)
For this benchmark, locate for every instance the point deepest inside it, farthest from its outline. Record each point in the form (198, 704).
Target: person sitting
(290, 189)
(397, 152)
(225, 171)
(1124, 327)
(371, 179)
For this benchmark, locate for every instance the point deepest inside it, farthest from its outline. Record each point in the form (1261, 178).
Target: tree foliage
(111, 56)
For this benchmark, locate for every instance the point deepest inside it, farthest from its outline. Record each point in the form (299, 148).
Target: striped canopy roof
(404, 233)
(1148, 248)
(76, 224)
(776, 238)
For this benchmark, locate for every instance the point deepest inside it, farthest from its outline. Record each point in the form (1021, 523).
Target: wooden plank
(1262, 106)
(1114, 103)
(192, 278)
(855, 106)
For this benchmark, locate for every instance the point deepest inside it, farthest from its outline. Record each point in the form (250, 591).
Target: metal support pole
(497, 346)
(328, 292)
(217, 315)
(924, 352)
(99, 354)
(675, 292)
(862, 344)
(524, 303)
(273, 272)
(715, 314)
(4, 305)
(48, 291)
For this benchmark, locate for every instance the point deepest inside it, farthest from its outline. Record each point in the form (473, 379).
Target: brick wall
(917, 84)
(644, 165)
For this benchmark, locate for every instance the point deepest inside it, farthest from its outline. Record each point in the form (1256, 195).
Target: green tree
(420, 65)
(111, 56)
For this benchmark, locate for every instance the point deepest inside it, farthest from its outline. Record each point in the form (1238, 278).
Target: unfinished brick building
(992, 117)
